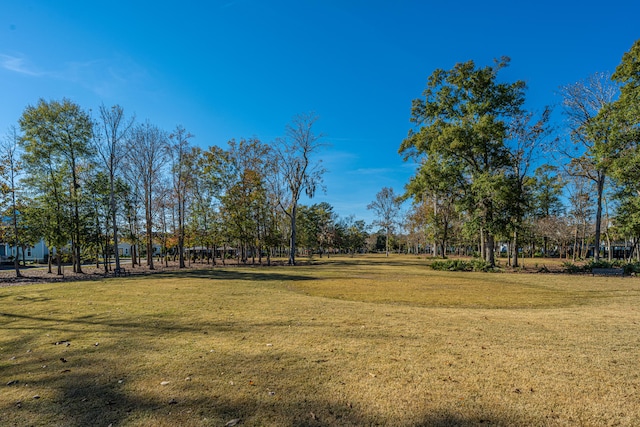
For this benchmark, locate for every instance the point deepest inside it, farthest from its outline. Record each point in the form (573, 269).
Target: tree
(98, 206)
(56, 138)
(527, 138)
(626, 166)
(463, 120)
(209, 184)
(316, 226)
(627, 75)
(182, 164)
(146, 156)
(547, 202)
(386, 207)
(245, 192)
(113, 130)
(436, 189)
(588, 108)
(296, 172)
(352, 234)
(10, 167)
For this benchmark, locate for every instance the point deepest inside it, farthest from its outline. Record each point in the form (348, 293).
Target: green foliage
(462, 127)
(629, 268)
(571, 268)
(476, 264)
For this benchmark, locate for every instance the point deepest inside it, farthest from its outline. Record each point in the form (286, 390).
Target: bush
(571, 268)
(460, 265)
(629, 268)
(632, 268)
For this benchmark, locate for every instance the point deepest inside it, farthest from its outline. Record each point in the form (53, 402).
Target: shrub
(460, 265)
(571, 268)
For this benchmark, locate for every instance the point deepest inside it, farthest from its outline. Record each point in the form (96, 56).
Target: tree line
(492, 172)
(491, 177)
(89, 185)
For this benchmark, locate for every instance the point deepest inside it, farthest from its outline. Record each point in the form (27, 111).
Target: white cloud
(104, 77)
(372, 171)
(17, 64)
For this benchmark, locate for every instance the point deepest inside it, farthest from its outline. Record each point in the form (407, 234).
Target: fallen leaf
(165, 383)
(233, 422)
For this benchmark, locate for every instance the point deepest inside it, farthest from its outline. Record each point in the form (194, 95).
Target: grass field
(349, 341)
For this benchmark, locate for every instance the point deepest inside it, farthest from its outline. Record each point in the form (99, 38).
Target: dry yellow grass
(363, 341)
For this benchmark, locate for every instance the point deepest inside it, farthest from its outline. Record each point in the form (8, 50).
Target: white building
(38, 253)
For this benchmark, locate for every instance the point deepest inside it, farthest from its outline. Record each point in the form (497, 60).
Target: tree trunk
(515, 249)
(16, 261)
(292, 241)
(112, 202)
(149, 229)
(59, 261)
(600, 188)
(490, 256)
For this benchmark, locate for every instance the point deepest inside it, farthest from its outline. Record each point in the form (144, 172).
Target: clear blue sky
(238, 69)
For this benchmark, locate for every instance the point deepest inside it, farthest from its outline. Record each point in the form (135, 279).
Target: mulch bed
(40, 274)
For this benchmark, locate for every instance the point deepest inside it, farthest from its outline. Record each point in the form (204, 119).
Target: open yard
(348, 341)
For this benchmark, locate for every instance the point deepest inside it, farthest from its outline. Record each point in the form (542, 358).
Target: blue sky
(240, 69)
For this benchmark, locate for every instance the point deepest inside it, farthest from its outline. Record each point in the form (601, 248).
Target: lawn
(346, 341)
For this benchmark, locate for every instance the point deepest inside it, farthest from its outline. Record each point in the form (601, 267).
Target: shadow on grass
(141, 324)
(109, 395)
(260, 274)
(97, 385)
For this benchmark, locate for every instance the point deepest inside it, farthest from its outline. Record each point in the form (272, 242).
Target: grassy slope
(364, 341)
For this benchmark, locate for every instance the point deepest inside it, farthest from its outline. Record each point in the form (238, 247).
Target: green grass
(362, 341)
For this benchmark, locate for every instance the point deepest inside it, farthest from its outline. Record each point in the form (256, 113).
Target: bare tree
(113, 131)
(295, 170)
(586, 104)
(146, 156)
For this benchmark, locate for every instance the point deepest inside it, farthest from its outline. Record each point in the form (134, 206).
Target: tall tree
(626, 167)
(113, 129)
(146, 156)
(386, 207)
(547, 202)
(436, 189)
(57, 139)
(10, 167)
(527, 136)
(587, 105)
(245, 192)
(463, 119)
(182, 164)
(296, 170)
